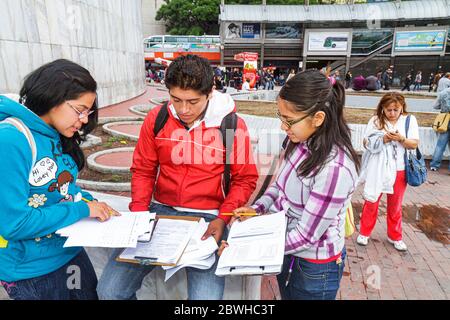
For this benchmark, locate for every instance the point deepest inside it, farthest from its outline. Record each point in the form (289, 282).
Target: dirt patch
(351, 115)
(433, 221)
(108, 142)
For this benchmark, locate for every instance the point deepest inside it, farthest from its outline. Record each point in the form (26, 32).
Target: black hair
(311, 91)
(51, 85)
(190, 72)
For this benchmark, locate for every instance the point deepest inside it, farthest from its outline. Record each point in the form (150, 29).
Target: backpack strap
(272, 170)
(228, 130)
(28, 135)
(161, 118)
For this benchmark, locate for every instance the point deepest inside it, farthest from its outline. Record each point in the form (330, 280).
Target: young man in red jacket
(178, 169)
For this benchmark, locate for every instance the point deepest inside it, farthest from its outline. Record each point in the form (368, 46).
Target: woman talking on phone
(389, 123)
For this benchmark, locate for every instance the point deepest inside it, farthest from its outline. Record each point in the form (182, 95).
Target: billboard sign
(251, 30)
(328, 41)
(233, 30)
(426, 41)
(323, 42)
(283, 31)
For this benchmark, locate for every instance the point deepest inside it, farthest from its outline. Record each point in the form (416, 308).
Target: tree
(190, 17)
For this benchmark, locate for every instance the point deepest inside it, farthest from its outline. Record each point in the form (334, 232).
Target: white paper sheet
(198, 254)
(118, 232)
(170, 238)
(255, 243)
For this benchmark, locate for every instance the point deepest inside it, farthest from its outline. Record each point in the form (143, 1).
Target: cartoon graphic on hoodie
(62, 185)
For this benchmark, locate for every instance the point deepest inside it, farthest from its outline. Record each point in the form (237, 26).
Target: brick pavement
(421, 273)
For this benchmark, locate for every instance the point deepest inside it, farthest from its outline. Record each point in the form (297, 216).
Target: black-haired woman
(40, 147)
(313, 187)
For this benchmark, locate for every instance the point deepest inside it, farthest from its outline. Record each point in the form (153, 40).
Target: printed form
(256, 246)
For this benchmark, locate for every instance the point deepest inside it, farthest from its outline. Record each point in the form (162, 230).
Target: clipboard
(148, 235)
(249, 271)
(150, 261)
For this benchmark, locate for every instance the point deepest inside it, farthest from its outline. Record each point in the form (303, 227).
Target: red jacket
(190, 163)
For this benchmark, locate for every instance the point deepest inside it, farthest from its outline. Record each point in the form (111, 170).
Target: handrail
(374, 53)
(384, 46)
(363, 48)
(389, 36)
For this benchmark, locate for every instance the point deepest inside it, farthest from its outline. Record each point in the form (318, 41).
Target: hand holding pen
(100, 210)
(241, 214)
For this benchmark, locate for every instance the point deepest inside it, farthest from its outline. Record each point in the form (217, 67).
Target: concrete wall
(105, 36)
(150, 26)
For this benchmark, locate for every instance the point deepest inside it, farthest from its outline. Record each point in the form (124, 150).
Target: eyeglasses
(290, 123)
(81, 115)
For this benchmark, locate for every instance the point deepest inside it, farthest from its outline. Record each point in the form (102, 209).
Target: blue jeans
(76, 280)
(269, 85)
(442, 142)
(121, 281)
(311, 281)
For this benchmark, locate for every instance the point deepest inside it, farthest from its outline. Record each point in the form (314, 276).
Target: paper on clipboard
(256, 246)
(169, 239)
(199, 254)
(118, 232)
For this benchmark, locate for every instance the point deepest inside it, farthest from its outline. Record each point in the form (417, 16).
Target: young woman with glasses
(40, 157)
(314, 186)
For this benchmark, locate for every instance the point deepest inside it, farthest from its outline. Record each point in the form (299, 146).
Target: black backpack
(229, 122)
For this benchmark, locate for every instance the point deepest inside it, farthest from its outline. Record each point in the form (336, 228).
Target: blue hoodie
(35, 205)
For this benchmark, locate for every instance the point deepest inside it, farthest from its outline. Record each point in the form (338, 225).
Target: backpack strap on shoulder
(161, 118)
(228, 130)
(28, 135)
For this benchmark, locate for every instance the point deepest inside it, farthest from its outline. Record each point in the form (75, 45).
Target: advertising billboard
(233, 30)
(323, 42)
(283, 31)
(328, 41)
(251, 30)
(420, 41)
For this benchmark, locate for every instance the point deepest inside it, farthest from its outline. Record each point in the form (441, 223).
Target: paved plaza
(377, 271)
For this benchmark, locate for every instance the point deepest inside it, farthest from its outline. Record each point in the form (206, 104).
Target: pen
(250, 214)
(290, 271)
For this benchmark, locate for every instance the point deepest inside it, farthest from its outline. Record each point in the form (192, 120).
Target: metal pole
(221, 32)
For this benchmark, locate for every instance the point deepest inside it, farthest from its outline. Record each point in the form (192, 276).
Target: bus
(170, 47)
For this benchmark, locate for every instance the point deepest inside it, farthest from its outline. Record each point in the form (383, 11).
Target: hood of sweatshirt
(11, 108)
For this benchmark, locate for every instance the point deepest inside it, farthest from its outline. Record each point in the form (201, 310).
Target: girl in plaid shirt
(314, 186)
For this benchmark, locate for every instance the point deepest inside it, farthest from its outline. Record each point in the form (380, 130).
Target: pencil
(250, 214)
(87, 200)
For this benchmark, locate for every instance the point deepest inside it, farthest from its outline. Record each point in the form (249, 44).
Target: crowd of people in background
(269, 77)
(413, 81)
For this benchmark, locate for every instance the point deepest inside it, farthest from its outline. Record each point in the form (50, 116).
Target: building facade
(103, 36)
(363, 38)
(150, 26)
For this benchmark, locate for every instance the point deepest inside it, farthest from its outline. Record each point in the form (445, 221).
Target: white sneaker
(399, 245)
(362, 240)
